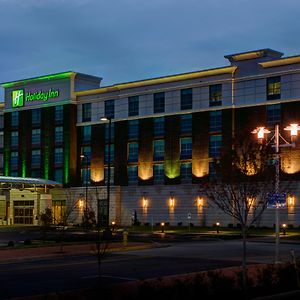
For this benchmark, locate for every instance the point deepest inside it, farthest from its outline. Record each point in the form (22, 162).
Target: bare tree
(240, 187)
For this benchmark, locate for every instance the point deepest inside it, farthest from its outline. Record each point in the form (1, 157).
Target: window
(112, 175)
(1, 121)
(273, 88)
(186, 148)
(36, 116)
(59, 113)
(213, 171)
(112, 132)
(133, 106)
(59, 134)
(186, 124)
(14, 138)
(186, 99)
(215, 121)
(159, 102)
(35, 158)
(215, 95)
(159, 126)
(86, 152)
(14, 159)
(15, 118)
(133, 152)
(133, 130)
(215, 144)
(86, 112)
(132, 172)
(1, 139)
(186, 172)
(36, 136)
(112, 153)
(158, 173)
(158, 150)
(109, 109)
(58, 175)
(86, 134)
(85, 176)
(274, 114)
(58, 156)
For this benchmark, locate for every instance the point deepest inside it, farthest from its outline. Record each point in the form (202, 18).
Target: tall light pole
(108, 119)
(261, 131)
(84, 157)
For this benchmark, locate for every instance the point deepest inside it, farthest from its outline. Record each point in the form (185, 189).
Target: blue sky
(127, 40)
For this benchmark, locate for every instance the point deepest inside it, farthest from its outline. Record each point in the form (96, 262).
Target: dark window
(59, 113)
(1, 121)
(186, 172)
(58, 156)
(186, 99)
(15, 118)
(109, 109)
(133, 152)
(36, 117)
(215, 144)
(159, 126)
(273, 88)
(159, 102)
(186, 148)
(85, 176)
(86, 112)
(14, 158)
(158, 173)
(112, 153)
(274, 114)
(86, 152)
(215, 95)
(133, 129)
(58, 175)
(215, 121)
(86, 134)
(14, 138)
(112, 132)
(35, 158)
(158, 150)
(59, 134)
(112, 175)
(132, 172)
(133, 106)
(186, 124)
(36, 136)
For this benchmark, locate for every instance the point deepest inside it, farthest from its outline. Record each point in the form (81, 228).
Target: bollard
(125, 238)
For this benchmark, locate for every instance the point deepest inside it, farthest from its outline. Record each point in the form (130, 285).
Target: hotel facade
(164, 136)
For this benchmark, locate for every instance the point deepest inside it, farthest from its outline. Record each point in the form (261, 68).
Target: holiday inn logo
(17, 98)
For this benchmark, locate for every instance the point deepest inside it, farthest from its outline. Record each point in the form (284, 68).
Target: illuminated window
(186, 124)
(215, 95)
(133, 129)
(133, 152)
(159, 102)
(186, 148)
(215, 144)
(86, 112)
(133, 106)
(186, 99)
(274, 114)
(158, 173)
(158, 150)
(159, 126)
(109, 109)
(273, 88)
(215, 121)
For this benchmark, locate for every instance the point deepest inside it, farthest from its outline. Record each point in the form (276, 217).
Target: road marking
(107, 276)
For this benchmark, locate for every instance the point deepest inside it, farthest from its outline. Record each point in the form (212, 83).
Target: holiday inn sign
(19, 97)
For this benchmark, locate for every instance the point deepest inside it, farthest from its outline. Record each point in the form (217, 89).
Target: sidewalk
(13, 254)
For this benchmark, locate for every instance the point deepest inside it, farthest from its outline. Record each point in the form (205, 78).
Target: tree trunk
(244, 261)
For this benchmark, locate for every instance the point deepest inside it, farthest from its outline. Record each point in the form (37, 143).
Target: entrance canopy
(11, 182)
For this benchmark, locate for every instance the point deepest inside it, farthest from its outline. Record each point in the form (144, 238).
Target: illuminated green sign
(18, 96)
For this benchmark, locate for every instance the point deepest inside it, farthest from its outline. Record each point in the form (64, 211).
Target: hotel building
(165, 134)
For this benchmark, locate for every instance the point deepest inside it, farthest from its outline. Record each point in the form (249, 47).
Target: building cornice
(281, 62)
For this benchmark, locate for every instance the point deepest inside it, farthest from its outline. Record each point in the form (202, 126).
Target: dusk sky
(128, 40)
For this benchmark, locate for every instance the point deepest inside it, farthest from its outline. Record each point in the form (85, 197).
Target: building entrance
(23, 212)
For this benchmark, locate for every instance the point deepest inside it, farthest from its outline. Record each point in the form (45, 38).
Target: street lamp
(82, 156)
(261, 131)
(108, 119)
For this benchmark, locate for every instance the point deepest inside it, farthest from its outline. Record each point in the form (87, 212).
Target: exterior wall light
(172, 202)
(291, 201)
(199, 201)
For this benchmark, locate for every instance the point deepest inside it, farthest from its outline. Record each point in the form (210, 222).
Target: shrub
(11, 244)
(27, 242)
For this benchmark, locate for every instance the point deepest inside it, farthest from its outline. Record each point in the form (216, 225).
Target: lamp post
(86, 182)
(261, 131)
(108, 119)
